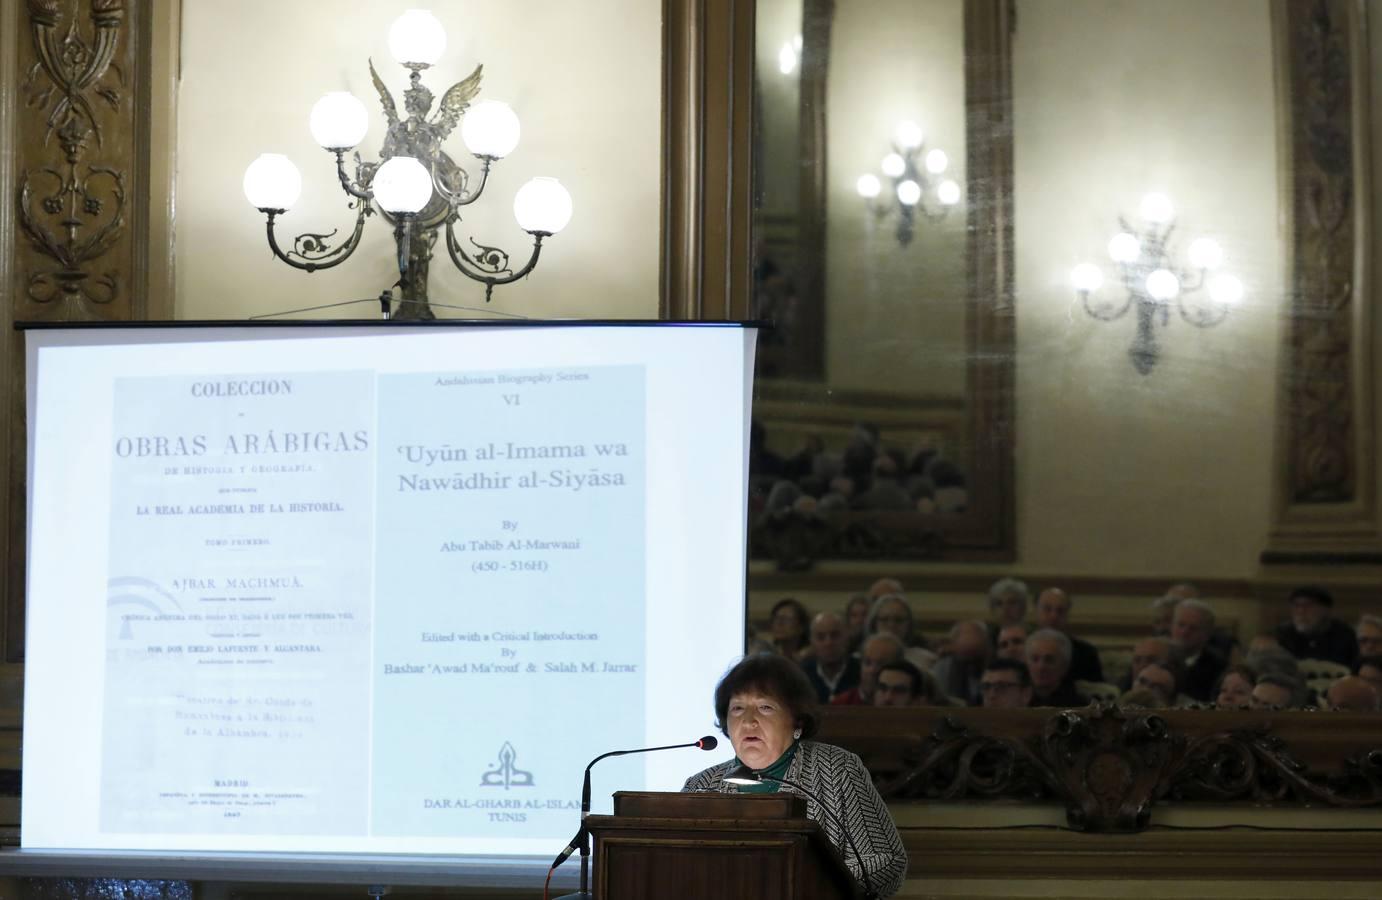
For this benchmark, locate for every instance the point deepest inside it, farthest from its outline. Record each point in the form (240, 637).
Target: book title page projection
(510, 585)
(239, 604)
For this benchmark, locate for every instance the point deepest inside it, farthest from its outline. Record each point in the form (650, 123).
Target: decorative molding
(707, 125)
(1110, 766)
(1326, 494)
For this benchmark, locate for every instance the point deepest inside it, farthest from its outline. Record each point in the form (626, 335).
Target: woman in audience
(1234, 690)
(767, 708)
(791, 627)
(856, 618)
(892, 614)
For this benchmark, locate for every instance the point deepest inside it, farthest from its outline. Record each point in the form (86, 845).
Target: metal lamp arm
(346, 184)
(311, 251)
(494, 274)
(458, 200)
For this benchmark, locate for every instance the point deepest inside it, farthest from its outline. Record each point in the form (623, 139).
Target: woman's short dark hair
(798, 609)
(772, 676)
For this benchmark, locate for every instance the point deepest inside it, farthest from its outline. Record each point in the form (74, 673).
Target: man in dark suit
(1313, 633)
(831, 670)
(1191, 627)
(1053, 611)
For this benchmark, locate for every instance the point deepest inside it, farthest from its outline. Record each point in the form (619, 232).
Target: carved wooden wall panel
(1326, 495)
(78, 190)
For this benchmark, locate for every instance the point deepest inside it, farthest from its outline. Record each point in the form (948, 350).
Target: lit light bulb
(948, 192)
(1225, 289)
(338, 121)
(417, 37)
(909, 192)
(1087, 278)
(936, 161)
(894, 165)
(490, 128)
(1205, 253)
(1156, 207)
(908, 135)
(542, 205)
(787, 59)
(1124, 248)
(402, 185)
(1162, 285)
(272, 182)
(868, 186)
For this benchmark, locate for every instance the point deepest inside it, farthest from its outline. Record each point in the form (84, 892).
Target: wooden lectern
(720, 846)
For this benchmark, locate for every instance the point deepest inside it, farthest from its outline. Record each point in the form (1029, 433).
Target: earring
(796, 735)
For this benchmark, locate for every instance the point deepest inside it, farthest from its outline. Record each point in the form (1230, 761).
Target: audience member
(1163, 608)
(1234, 690)
(903, 684)
(1313, 633)
(1053, 611)
(1012, 642)
(1369, 632)
(856, 616)
(1352, 694)
(1263, 642)
(1008, 599)
(892, 613)
(1274, 691)
(1369, 669)
(1190, 629)
(790, 623)
(1140, 698)
(878, 650)
(1006, 684)
(1157, 679)
(1144, 653)
(884, 586)
(831, 670)
(1272, 658)
(1048, 661)
(1183, 590)
(958, 673)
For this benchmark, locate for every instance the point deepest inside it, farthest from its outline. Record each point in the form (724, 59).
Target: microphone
(582, 839)
(745, 775)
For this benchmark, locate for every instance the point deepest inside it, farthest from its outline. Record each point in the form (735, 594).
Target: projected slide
(373, 590)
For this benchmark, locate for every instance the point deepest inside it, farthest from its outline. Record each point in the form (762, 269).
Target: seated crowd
(870, 652)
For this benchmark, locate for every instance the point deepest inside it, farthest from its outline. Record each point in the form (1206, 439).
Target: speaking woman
(767, 709)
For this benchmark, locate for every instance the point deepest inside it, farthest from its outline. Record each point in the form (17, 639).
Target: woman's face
(786, 625)
(1236, 691)
(760, 728)
(894, 618)
(857, 614)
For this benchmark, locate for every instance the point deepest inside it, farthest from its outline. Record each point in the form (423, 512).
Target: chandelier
(416, 186)
(915, 183)
(1155, 283)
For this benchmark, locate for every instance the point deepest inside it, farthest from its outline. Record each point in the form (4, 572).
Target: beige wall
(1119, 473)
(584, 78)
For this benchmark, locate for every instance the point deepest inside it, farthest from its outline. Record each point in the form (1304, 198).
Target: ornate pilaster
(1326, 497)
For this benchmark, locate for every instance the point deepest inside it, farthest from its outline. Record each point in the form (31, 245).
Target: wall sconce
(915, 183)
(416, 186)
(1154, 282)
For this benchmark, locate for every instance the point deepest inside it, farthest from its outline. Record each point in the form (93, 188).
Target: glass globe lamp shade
(894, 165)
(1156, 207)
(1087, 278)
(1124, 248)
(417, 37)
(490, 128)
(868, 186)
(1205, 253)
(1225, 289)
(936, 161)
(272, 182)
(908, 135)
(402, 185)
(948, 192)
(542, 205)
(1162, 285)
(909, 192)
(339, 121)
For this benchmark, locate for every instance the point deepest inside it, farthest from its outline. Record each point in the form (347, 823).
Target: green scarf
(776, 770)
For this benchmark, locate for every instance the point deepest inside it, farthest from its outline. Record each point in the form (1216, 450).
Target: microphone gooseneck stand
(582, 839)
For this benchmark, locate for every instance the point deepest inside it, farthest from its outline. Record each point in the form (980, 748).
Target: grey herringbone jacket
(839, 778)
